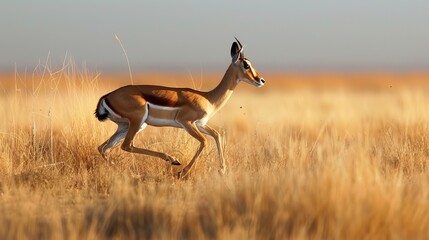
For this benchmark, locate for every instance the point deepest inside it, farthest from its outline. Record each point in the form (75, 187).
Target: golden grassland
(310, 156)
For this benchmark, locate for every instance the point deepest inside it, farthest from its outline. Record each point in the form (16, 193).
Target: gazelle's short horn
(239, 43)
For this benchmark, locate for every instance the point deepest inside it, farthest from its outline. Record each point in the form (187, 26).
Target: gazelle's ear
(235, 52)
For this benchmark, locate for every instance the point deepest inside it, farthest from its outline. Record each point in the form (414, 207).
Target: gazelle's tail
(101, 112)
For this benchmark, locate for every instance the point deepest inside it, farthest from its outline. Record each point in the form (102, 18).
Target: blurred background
(279, 36)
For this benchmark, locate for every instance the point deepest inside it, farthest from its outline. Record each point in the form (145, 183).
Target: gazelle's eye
(245, 65)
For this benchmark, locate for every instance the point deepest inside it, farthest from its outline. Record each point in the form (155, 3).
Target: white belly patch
(161, 116)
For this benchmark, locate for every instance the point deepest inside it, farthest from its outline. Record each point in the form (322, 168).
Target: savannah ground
(309, 156)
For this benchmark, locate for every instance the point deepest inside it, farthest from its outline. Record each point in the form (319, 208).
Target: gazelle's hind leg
(113, 141)
(136, 125)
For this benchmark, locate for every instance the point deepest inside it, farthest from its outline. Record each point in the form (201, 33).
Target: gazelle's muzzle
(259, 81)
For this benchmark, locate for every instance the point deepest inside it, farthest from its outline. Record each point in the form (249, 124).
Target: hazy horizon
(192, 35)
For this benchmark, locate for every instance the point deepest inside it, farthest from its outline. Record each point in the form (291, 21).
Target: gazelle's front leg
(215, 134)
(194, 132)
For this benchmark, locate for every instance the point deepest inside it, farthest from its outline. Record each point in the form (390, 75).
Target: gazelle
(134, 107)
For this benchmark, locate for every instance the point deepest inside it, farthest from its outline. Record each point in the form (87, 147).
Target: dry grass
(343, 160)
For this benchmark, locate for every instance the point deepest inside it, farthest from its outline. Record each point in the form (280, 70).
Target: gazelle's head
(246, 72)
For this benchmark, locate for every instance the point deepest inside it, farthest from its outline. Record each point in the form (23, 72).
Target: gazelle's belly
(161, 116)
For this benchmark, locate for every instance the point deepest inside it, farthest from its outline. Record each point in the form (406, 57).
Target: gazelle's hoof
(222, 171)
(109, 162)
(176, 163)
(106, 158)
(181, 174)
(173, 161)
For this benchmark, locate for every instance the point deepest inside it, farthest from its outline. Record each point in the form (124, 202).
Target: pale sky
(297, 35)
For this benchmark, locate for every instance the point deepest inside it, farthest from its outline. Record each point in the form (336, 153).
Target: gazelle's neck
(222, 92)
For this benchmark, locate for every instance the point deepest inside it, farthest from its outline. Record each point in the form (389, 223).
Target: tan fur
(187, 108)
